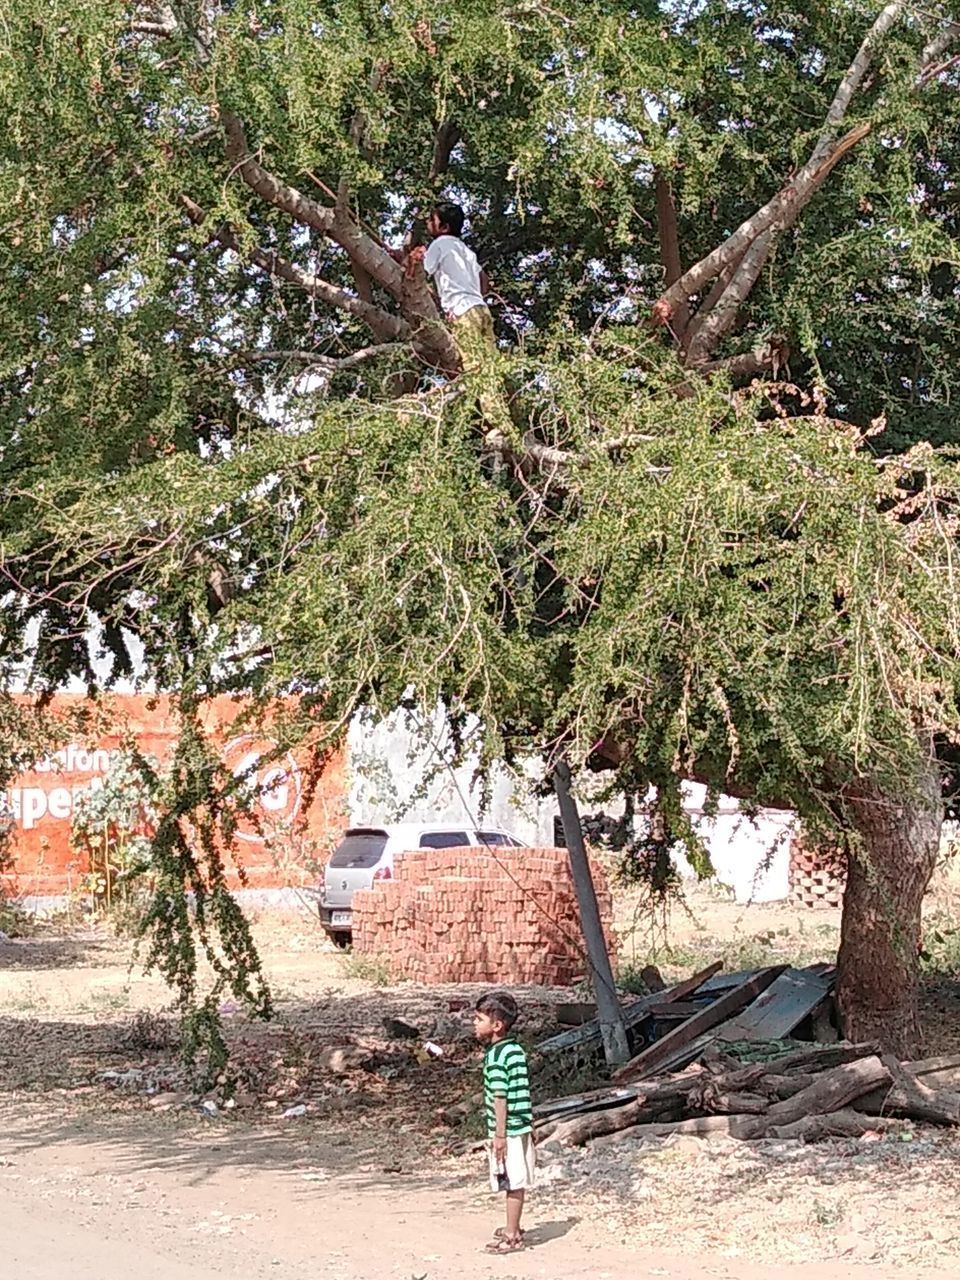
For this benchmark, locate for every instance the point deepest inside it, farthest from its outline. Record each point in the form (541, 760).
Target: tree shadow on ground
(311, 1157)
(56, 953)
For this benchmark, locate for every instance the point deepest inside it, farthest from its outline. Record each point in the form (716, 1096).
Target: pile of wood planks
(690, 1076)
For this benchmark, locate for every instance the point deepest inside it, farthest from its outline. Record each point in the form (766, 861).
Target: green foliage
(366, 968)
(700, 580)
(941, 945)
(197, 937)
(113, 826)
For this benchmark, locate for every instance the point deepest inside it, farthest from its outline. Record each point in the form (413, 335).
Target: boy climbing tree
(462, 285)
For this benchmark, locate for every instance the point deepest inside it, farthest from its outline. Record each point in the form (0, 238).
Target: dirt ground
(327, 1154)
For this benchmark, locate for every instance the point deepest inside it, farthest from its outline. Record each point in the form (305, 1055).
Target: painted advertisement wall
(291, 829)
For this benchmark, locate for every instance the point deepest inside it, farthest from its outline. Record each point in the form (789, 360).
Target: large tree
(724, 240)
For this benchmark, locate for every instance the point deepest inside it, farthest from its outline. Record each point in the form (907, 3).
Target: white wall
(396, 774)
(751, 855)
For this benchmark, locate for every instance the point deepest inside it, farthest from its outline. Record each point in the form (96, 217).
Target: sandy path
(89, 1205)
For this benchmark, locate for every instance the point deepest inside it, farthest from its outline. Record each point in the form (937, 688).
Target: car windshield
(443, 840)
(359, 849)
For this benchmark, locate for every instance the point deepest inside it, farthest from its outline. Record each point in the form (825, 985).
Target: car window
(359, 849)
(443, 839)
(497, 838)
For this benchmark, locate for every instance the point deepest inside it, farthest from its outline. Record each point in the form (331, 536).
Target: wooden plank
(726, 982)
(656, 1054)
(587, 1037)
(783, 1006)
(633, 1014)
(597, 1100)
(687, 987)
(676, 1009)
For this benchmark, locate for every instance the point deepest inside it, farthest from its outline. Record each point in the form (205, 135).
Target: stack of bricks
(817, 875)
(478, 915)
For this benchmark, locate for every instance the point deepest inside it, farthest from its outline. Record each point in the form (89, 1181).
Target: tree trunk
(889, 866)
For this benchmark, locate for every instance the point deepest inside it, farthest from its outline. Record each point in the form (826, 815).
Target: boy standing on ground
(506, 1091)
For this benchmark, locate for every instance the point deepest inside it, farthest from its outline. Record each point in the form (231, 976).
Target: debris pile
(713, 1059)
(504, 916)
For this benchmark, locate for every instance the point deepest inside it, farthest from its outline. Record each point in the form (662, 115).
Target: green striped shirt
(505, 1076)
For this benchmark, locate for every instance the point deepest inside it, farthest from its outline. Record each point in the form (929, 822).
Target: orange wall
(43, 798)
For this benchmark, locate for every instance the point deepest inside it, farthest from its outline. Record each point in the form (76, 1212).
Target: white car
(366, 854)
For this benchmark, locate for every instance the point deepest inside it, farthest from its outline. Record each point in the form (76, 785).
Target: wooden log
(732, 1104)
(742, 1077)
(820, 1057)
(580, 1129)
(936, 1073)
(688, 1032)
(718, 1063)
(688, 1089)
(831, 1091)
(781, 1087)
(837, 1124)
(744, 1127)
(544, 1130)
(911, 1096)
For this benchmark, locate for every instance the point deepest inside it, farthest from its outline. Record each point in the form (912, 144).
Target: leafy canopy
(667, 566)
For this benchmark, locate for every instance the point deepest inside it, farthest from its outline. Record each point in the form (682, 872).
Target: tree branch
(723, 316)
(669, 238)
(853, 78)
(280, 194)
(335, 223)
(772, 355)
(445, 139)
(382, 324)
(711, 300)
(793, 196)
(939, 45)
(746, 271)
(786, 205)
(358, 136)
(163, 29)
(315, 358)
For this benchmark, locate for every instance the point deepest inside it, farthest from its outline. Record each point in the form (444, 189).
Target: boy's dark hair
(451, 216)
(501, 1006)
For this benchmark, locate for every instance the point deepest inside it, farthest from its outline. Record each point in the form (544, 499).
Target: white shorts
(520, 1165)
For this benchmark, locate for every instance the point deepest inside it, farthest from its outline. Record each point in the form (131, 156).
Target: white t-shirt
(457, 273)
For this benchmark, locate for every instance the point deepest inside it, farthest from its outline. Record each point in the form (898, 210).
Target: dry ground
(107, 1157)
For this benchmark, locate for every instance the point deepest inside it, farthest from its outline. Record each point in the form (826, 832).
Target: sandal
(505, 1245)
(501, 1233)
